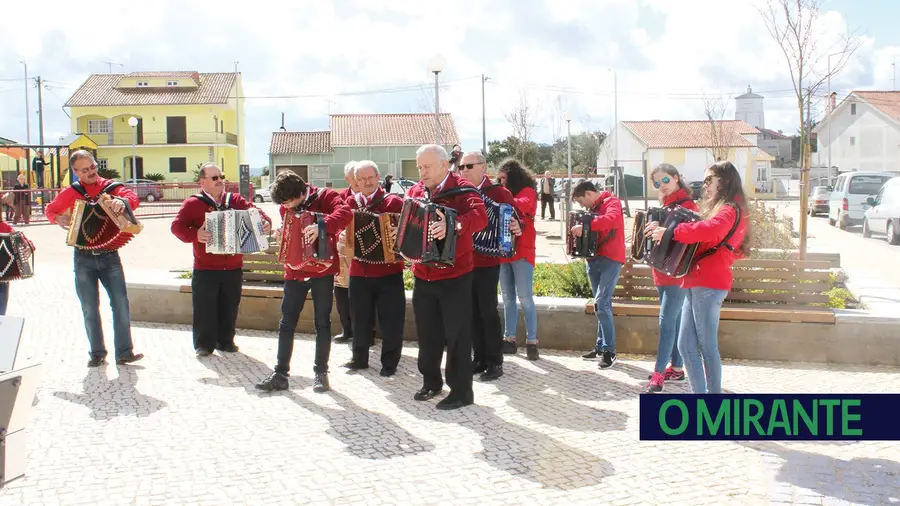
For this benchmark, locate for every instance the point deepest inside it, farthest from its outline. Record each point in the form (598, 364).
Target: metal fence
(159, 199)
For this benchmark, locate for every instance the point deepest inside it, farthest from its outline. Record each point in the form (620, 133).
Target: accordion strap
(226, 202)
(678, 203)
(371, 205)
(77, 186)
(452, 192)
(724, 242)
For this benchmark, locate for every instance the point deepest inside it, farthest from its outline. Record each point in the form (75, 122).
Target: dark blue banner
(753, 417)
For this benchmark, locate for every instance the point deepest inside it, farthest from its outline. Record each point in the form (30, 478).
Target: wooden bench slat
(787, 286)
(810, 315)
(261, 276)
(268, 266)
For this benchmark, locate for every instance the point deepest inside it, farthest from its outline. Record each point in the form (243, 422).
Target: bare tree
(714, 107)
(792, 23)
(424, 100)
(521, 119)
(557, 118)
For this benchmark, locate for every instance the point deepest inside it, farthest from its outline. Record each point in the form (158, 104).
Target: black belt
(94, 252)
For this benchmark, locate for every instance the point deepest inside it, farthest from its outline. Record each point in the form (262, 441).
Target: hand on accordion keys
(515, 227)
(577, 230)
(650, 227)
(311, 233)
(267, 227)
(658, 233)
(116, 205)
(203, 235)
(438, 229)
(63, 221)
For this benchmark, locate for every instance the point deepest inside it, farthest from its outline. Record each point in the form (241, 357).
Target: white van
(847, 205)
(883, 214)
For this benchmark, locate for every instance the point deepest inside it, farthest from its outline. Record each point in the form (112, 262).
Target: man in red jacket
(487, 339)
(216, 280)
(93, 266)
(341, 293)
(442, 296)
(376, 288)
(603, 269)
(296, 195)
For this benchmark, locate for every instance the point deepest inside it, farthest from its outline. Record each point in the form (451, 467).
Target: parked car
(848, 201)
(399, 186)
(146, 189)
(818, 200)
(262, 195)
(883, 214)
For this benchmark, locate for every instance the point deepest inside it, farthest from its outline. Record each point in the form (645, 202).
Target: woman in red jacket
(673, 192)
(5, 228)
(723, 236)
(517, 274)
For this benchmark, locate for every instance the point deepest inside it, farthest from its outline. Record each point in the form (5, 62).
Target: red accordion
(298, 254)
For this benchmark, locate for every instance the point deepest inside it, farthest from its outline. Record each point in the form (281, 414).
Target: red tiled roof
(888, 102)
(390, 129)
(300, 143)
(101, 90)
(691, 134)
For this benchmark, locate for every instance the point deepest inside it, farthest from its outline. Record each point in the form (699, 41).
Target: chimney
(282, 123)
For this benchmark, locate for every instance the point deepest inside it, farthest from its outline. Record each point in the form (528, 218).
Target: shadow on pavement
(110, 398)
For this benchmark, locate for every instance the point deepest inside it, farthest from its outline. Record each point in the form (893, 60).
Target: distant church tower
(749, 108)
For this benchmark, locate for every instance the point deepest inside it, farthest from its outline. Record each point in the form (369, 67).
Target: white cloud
(664, 53)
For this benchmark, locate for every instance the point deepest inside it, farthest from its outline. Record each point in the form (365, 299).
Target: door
(176, 130)
(834, 203)
(859, 188)
(140, 131)
(875, 215)
(409, 170)
(139, 174)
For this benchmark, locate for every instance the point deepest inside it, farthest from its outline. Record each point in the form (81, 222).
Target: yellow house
(181, 120)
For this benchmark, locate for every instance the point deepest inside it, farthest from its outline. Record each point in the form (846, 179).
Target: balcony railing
(159, 138)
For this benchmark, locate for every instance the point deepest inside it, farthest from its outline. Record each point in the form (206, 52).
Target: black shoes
(387, 372)
(353, 365)
(426, 394)
(96, 361)
(607, 359)
(320, 382)
(591, 355)
(491, 373)
(531, 352)
(204, 352)
(479, 367)
(231, 348)
(509, 347)
(454, 402)
(342, 339)
(129, 359)
(275, 381)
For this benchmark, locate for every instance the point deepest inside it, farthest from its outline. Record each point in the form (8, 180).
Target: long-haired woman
(673, 192)
(517, 274)
(723, 236)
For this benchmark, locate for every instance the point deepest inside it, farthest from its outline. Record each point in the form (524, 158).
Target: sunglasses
(708, 181)
(216, 178)
(664, 180)
(467, 166)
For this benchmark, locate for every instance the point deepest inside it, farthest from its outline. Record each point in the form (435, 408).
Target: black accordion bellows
(414, 241)
(13, 262)
(669, 256)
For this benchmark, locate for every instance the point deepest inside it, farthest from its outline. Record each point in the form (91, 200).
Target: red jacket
(337, 216)
(471, 215)
(500, 195)
(609, 207)
(64, 202)
(6, 228)
(391, 204)
(713, 271)
(346, 194)
(190, 219)
(660, 279)
(526, 205)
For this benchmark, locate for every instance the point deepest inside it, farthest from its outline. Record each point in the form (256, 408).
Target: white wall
(876, 146)
(631, 151)
(751, 111)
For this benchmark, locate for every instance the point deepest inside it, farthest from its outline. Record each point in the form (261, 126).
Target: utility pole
(237, 102)
(27, 107)
(40, 87)
(804, 177)
(111, 63)
(483, 119)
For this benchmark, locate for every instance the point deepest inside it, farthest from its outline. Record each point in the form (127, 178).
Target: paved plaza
(177, 430)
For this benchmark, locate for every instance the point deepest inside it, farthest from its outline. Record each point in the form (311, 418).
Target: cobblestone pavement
(176, 430)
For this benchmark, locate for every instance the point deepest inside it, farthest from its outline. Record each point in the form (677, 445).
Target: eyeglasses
(467, 166)
(216, 178)
(708, 181)
(664, 180)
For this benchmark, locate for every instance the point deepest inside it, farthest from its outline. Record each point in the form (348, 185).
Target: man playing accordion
(442, 295)
(297, 196)
(487, 336)
(604, 267)
(376, 282)
(98, 265)
(216, 280)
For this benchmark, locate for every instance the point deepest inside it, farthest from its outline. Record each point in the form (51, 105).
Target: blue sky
(557, 54)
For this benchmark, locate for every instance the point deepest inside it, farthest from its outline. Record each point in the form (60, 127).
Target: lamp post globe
(132, 122)
(436, 63)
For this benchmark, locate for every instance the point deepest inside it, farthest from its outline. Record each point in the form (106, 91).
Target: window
(171, 83)
(98, 126)
(852, 141)
(102, 164)
(178, 164)
(142, 84)
(853, 109)
(866, 185)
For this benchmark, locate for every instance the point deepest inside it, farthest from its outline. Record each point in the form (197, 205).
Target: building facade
(183, 119)
(862, 133)
(390, 140)
(750, 109)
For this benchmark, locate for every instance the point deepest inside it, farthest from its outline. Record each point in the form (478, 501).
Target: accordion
(586, 245)
(235, 232)
(15, 253)
(298, 254)
(640, 244)
(496, 240)
(373, 242)
(345, 256)
(94, 225)
(414, 241)
(670, 257)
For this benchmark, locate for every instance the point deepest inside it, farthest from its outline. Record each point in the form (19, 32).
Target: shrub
(156, 176)
(109, 173)
(562, 280)
(769, 231)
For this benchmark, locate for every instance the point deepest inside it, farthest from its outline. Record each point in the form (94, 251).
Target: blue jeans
(698, 340)
(107, 269)
(517, 281)
(4, 297)
(671, 300)
(603, 274)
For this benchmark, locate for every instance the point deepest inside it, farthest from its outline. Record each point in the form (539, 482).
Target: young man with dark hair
(296, 196)
(603, 269)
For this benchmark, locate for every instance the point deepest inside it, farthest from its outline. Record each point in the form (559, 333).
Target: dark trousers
(342, 301)
(216, 296)
(547, 200)
(292, 303)
(385, 297)
(443, 311)
(487, 331)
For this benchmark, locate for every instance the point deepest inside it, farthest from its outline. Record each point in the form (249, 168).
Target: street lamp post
(569, 149)
(133, 122)
(27, 107)
(436, 65)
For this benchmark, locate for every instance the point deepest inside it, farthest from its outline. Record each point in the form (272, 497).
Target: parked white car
(848, 202)
(262, 195)
(883, 214)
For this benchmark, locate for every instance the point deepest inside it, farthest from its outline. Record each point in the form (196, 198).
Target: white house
(861, 133)
(688, 145)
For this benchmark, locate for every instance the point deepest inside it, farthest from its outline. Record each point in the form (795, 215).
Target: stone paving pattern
(177, 430)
